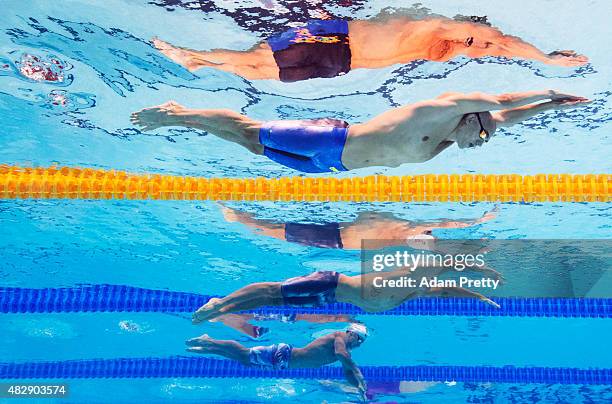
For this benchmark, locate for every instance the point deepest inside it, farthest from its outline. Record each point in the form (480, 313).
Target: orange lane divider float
(87, 183)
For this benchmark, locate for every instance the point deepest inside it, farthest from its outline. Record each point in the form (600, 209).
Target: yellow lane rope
(85, 183)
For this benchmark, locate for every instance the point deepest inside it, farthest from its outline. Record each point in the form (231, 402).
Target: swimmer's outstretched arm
(490, 41)
(480, 102)
(351, 370)
(509, 117)
(446, 106)
(450, 224)
(459, 292)
(514, 47)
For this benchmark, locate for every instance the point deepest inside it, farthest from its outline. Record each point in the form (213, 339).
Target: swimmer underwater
(327, 287)
(320, 352)
(383, 227)
(414, 133)
(329, 48)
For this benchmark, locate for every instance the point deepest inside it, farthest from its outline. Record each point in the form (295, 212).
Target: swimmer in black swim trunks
(328, 48)
(327, 287)
(348, 235)
(414, 133)
(323, 351)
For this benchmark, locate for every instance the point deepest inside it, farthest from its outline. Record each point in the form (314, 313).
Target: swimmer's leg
(265, 227)
(256, 63)
(229, 349)
(240, 323)
(223, 123)
(249, 297)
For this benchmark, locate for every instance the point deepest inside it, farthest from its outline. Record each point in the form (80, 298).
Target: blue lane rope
(114, 298)
(181, 366)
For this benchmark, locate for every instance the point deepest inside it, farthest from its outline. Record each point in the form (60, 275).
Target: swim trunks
(315, 235)
(310, 146)
(275, 356)
(318, 49)
(316, 289)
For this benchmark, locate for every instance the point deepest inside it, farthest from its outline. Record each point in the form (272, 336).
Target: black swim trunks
(315, 235)
(316, 289)
(318, 49)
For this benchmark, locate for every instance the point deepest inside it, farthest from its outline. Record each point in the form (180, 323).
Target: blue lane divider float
(182, 366)
(115, 298)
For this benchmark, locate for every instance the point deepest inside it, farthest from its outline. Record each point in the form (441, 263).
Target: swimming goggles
(484, 134)
(360, 338)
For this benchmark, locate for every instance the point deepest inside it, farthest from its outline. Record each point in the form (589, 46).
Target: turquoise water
(111, 70)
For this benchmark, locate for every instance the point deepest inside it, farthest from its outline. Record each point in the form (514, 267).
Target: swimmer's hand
(490, 215)
(570, 103)
(568, 58)
(152, 118)
(362, 394)
(354, 377)
(560, 96)
(486, 300)
(361, 386)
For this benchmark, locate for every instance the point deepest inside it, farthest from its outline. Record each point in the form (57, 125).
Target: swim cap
(358, 329)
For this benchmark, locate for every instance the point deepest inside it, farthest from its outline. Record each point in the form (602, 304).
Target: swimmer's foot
(230, 215)
(201, 344)
(490, 215)
(158, 116)
(207, 312)
(187, 58)
(567, 58)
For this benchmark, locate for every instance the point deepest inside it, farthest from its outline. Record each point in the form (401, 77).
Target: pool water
(104, 68)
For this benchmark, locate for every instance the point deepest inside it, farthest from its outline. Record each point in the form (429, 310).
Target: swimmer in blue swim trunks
(329, 48)
(413, 133)
(327, 287)
(324, 350)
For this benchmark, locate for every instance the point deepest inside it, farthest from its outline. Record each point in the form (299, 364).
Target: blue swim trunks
(310, 146)
(273, 356)
(320, 48)
(316, 289)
